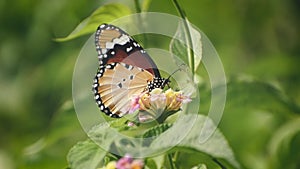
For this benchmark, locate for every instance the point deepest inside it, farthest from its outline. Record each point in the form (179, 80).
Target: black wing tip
(114, 116)
(106, 26)
(100, 28)
(107, 112)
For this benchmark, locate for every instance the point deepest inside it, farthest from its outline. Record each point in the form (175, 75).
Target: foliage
(83, 154)
(258, 42)
(104, 14)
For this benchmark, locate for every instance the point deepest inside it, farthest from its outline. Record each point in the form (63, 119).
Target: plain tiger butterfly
(125, 70)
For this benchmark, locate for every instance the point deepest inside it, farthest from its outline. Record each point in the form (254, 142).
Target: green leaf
(150, 164)
(179, 48)
(247, 95)
(253, 109)
(85, 154)
(281, 145)
(216, 146)
(155, 162)
(200, 166)
(103, 14)
(156, 130)
(90, 153)
(102, 134)
(250, 94)
(120, 123)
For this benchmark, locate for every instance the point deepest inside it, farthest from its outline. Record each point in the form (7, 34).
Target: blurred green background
(258, 43)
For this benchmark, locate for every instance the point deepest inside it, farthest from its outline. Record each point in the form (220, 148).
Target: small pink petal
(134, 104)
(130, 124)
(184, 99)
(124, 162)
(134, 108)
(160, 97)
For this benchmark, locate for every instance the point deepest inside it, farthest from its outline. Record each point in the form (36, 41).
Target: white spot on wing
(129, 49)
(122, 40)
(102, 26)
(103, 50)
(109, 45)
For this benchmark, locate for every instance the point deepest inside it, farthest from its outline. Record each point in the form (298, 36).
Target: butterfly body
(125, 70)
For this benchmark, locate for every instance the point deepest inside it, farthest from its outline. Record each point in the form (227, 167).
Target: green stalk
(176, 154)
(221, 165)
(172, 165)
(137, 6)
(188, 35)
(139, 10)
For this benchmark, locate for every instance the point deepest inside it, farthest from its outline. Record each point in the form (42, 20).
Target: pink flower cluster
(126, 162)
(157, 102)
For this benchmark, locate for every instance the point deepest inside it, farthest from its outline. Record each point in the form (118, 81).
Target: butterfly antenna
(166, 82)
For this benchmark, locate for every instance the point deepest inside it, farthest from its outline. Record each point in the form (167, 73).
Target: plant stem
(137, 6)
(139, 10)
(188, 35)
(172, 165)
(221, 165)
(176, 154)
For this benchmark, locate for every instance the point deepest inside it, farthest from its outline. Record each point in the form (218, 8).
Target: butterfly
(125, 70)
